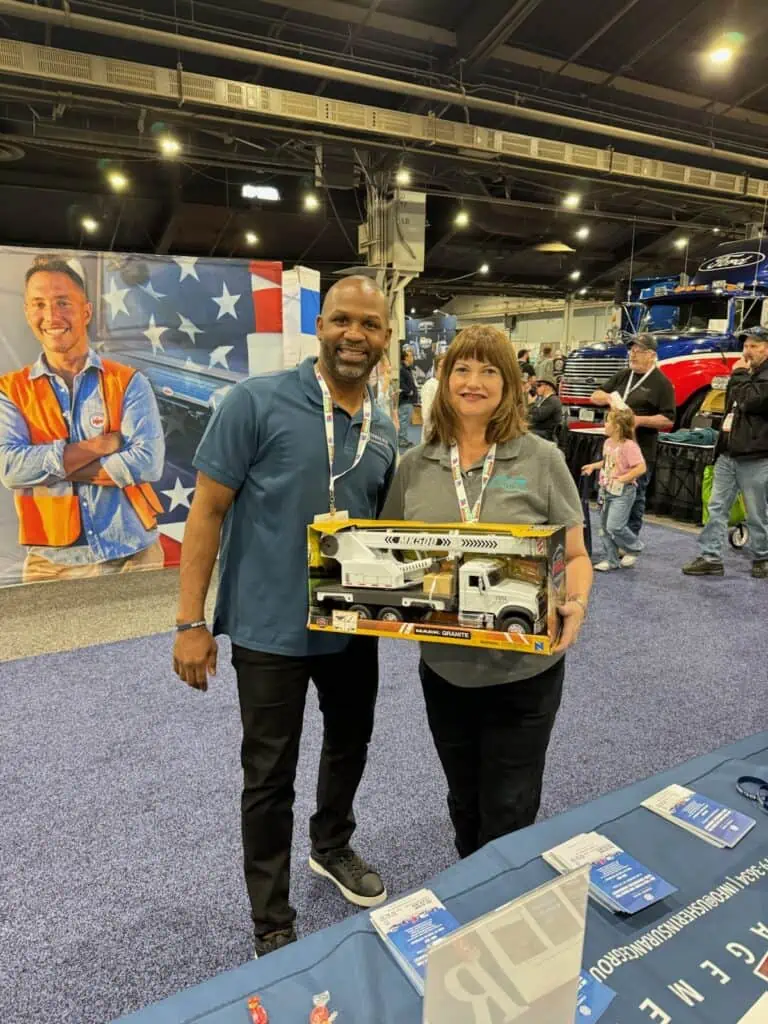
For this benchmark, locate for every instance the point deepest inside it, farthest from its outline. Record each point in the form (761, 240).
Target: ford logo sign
(732, 261)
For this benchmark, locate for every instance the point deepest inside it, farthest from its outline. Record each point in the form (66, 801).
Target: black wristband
(184, 626)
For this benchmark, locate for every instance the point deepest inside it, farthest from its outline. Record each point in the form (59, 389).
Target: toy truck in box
(482, 581)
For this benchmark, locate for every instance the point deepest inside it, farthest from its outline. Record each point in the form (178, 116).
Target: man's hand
(573, 618)
(111, 442)
(194, 657)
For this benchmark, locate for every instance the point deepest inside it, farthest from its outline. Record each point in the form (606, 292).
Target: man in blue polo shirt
(263, 477)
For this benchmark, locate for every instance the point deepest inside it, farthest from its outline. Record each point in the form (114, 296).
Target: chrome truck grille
(583, 376)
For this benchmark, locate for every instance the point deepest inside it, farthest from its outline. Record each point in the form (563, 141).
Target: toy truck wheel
(329, 545)
(738, 536)
(515, 624)
(362, 610)
(390, 615)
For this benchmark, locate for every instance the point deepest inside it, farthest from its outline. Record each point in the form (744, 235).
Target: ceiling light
(582, 233)
(721, 55)
(553, 247)
(118, 181)
(251, 238)
(681, 243)
(582, 291)
(575, 275)
(413, 311)
(572, 201)
(461, 220)
(435, 310)
(267, 193)
(484, 268)
(169, 145)
(89, 224)
(311, 202)
(403, 176)
(715, 231)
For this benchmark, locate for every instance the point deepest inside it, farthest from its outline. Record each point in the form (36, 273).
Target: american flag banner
(194, 326)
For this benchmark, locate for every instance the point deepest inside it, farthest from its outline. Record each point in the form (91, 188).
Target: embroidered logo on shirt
(504, 482)
(97, 420)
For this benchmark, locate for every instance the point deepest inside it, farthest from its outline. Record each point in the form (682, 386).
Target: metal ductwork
(176, 87)
(282, 62)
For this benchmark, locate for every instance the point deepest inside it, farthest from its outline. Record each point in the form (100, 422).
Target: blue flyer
(627, 884)
(593, 998)
(413, 938)
(715, 819)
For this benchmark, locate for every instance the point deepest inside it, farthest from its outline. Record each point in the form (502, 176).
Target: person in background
(545, 363)
(428, 392)
(408, 398)
(81, 442)
(621, 467)
(545, 414)
(558, 366)
(649, 394)
(526, 366)
(281, 449)
(491, 712)
(741, 464)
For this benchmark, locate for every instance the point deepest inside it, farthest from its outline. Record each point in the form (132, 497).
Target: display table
(677, 479)
(723, 895)
(583, 445)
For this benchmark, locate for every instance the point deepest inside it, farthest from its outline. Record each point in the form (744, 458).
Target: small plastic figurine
(321, 1014)
(258, 1014)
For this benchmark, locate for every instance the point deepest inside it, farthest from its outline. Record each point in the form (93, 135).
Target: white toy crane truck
(378, 582)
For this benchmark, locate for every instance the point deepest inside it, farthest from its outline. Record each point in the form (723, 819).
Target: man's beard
(346, 371)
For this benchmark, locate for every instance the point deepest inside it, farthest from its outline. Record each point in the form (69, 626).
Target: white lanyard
(632, 387)
(362, 444)
(467, 515)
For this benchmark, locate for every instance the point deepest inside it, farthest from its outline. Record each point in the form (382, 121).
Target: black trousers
(272, 691)
(492, 742)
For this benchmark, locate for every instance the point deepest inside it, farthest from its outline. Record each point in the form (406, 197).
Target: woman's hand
(572, 614)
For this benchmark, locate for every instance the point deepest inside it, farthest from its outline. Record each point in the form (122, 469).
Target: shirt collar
(312, 389)
(505, 451)
(40, 367)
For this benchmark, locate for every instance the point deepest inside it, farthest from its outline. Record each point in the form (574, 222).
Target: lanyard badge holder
(471, 515)
(330, 440)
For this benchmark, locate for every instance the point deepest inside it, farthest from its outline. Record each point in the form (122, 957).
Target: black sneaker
(263, 944)
(356, 881)
(760, 569)
(704, 567)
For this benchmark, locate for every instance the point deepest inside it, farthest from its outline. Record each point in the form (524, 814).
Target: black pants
(638, 508)
(272, 691)
(492, 742)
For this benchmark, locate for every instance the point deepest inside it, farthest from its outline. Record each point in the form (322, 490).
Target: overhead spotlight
(575, 275)
(572, 201)
(251, 238)
(681, 243)
(118, 182)
(311, 202)
(461, 220)
(403, 176)
(484, 268)
(413, 311)
(582, 291)
(435, 310)
(169, 145)
(721, 55)
(89, 224)
(583, 233)
(715, 231)
(267, 193)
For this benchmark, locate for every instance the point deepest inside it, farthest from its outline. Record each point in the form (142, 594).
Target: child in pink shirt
(621, 465)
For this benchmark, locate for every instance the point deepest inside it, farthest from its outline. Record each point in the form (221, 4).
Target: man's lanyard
(473, 515)
(633, 387)
(362, 444)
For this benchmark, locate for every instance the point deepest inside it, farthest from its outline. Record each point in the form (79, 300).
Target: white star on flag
(190, 364)
(186, 267)
(179, 495)
(115, 299)
(226, 303)
(187, 327)
(150, 290)
(155, 333)
(219, 356)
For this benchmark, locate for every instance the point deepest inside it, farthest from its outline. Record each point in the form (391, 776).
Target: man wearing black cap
(546, 412)
(650, 395)
(742, 463)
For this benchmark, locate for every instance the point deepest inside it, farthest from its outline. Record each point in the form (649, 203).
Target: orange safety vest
(53, 520)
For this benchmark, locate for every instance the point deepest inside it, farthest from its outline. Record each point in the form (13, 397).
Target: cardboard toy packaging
(475, 584)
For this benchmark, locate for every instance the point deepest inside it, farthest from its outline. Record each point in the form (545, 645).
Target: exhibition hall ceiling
(613, 80)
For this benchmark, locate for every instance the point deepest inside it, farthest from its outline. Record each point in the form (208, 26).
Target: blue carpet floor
(120, 870)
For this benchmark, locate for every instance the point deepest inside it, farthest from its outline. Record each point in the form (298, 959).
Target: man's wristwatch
(182, 627)
(579, 601)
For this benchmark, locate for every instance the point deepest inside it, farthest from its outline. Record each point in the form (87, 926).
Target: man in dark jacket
(742, 463)
(546, 413)
(409, 396)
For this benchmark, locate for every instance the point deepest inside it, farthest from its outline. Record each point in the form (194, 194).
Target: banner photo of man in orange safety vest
(110, 367)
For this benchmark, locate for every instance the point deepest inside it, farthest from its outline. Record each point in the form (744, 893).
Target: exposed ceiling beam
(383, 22)
(605, 27)
(487, 26)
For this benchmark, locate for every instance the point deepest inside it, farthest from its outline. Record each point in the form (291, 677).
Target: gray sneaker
(355, 880)
(704, 567)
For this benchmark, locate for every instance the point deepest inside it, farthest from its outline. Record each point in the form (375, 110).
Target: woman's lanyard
(473, 515)
(330, 440)
(633, 387)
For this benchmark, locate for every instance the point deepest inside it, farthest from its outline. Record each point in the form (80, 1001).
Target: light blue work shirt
(110, 527)
(266, 441)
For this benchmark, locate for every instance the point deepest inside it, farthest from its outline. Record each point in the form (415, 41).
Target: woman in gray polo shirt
(491, 712)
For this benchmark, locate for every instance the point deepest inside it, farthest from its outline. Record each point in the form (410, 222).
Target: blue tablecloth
(658, 963)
